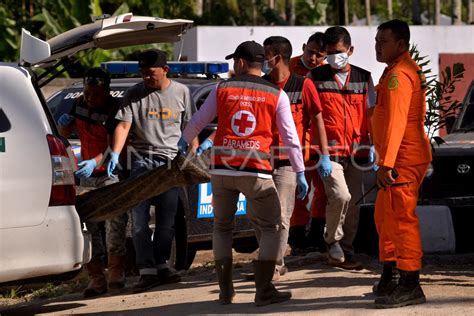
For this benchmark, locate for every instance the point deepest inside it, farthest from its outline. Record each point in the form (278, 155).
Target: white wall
(210, 43)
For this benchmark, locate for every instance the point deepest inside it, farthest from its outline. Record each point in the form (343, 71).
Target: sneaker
(146, 282)
(335, 252)
(167, 276)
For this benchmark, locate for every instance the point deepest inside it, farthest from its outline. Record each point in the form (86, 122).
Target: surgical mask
(338, 61)
(265, 68)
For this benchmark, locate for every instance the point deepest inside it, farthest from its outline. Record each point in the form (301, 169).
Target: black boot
(224, 275)
(316, 234)
(266, 291)
(407, 292)
(388, 280)
(297, 239)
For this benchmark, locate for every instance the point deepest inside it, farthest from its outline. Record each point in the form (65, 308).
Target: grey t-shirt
(157, 117)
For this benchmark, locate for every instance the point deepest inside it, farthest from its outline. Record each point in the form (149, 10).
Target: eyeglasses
(95, 81)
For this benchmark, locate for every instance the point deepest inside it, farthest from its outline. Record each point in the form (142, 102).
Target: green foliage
(8, 33)
(440, 106)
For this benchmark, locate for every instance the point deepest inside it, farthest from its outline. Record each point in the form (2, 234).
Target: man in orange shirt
(402, 146)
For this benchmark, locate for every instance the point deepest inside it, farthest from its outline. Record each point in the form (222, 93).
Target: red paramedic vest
(246, 111)
(294, 89)
(91, 125)
(344, 110)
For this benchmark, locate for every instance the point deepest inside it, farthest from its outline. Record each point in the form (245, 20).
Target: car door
(109, 33)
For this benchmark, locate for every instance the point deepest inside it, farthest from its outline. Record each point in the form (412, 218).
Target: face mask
(265, 68)
(338, 61)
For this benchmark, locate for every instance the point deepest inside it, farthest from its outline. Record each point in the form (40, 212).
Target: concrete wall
(210, 43)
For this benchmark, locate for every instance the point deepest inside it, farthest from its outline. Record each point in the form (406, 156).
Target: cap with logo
(97, 77)
(250, 51)
(152, 58)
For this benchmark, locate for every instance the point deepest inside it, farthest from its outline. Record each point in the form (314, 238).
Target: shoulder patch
(393, 82)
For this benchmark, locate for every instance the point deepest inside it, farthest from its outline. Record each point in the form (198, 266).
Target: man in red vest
(314, 55)
(306, 111)
(347, 97)
(247, 108)
(93, 116)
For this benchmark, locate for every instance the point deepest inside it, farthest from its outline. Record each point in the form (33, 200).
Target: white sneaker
(335, 252)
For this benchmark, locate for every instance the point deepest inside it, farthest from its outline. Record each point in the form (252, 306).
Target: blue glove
(204, 146)
(372, 154)
(182, 146)
(301, 184)
(86, 168)
(113, 161)
(65, 119)
(325, 166)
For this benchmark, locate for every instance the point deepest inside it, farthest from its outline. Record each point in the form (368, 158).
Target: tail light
(63, 191)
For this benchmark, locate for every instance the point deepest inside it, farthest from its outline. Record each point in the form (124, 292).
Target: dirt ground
(448, 282)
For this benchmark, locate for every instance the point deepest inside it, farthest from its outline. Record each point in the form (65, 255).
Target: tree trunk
(254, 12)
(271, 4)
(437, 12)
(456, 15)
(342, 12)
(389, 9)
(416, 12)
(470, 12)
(290, 12)
(198, 7)
(368, 14)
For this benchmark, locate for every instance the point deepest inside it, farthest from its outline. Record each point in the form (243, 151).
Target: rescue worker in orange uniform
(306, 110)
(247, 108)
(347, 97)
(314, 55)
(92, 115)
(402, 146)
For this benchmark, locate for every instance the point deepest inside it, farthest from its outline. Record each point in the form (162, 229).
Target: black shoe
(407, 292)
(167, 276)
(388, 280)
(146, 282)
(348, 264)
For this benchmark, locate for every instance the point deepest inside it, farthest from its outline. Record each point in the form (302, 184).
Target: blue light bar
(176, 67)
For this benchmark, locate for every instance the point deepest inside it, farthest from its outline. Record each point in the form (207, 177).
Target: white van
(40, 232)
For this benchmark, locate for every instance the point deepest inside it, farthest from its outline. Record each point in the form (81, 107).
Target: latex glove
(325, 166)
(86, 168)
(301, 184)
(372, 156)
(65, 119)
(204, 146)
(182, 146)
(113, 161)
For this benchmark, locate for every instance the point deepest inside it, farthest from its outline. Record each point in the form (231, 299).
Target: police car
(195, 215)
(41, 236)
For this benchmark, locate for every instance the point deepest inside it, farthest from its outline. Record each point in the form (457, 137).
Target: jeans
(114, 228)
(152, 254)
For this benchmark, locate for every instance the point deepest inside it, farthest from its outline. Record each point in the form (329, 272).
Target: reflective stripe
(356, 87)
(295, 97)
(226, 151)
(250, 86)
(98, 117)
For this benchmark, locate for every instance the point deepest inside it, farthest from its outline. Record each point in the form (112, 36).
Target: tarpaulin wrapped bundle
(115, 199)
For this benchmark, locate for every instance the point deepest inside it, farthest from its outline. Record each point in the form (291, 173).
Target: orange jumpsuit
(401, 143)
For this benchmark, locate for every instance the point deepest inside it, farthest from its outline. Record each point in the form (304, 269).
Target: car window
(467, 115)
(4, 122)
